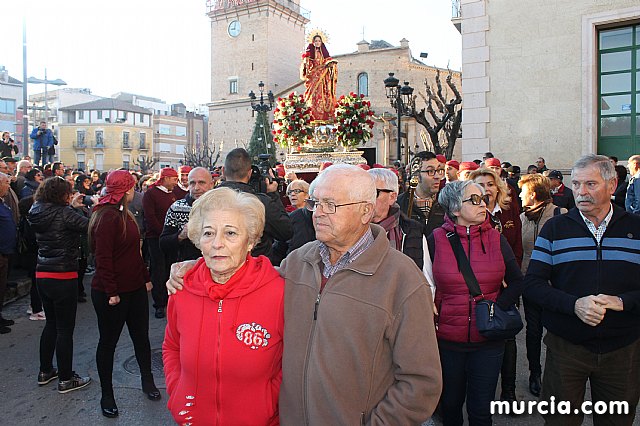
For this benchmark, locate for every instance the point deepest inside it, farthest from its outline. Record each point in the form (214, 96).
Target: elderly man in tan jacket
(359, 337)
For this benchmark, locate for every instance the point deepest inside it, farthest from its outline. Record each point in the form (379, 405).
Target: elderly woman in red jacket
(223, 342)
(470, 363)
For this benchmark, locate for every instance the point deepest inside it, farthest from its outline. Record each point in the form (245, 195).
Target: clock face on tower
(234, 28)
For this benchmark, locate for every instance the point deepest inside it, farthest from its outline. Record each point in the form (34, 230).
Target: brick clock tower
(251, 41)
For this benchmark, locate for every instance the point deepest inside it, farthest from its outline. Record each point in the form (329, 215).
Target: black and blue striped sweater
(567, 263)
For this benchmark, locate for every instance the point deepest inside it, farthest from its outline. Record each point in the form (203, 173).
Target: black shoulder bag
(492, 322)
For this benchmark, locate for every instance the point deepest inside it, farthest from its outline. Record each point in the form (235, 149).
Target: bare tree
(445, 116)
(145, 163)
(206, 156)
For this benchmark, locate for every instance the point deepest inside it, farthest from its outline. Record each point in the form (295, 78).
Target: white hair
(362, 187)
(389, 178)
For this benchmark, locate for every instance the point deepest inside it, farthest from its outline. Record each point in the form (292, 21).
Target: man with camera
(42, 141)
(237, 172)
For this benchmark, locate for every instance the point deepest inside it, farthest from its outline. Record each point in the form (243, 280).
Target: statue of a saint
(320, 74)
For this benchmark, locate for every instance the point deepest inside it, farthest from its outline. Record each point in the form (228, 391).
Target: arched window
(363, 84)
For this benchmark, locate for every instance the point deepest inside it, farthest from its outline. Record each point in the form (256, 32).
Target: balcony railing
(143, 147)
(79, 144)
(98, 144)
(126, 145)
(456, 9)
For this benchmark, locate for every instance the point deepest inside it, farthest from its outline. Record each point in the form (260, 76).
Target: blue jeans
(41, 153)
(472, 376)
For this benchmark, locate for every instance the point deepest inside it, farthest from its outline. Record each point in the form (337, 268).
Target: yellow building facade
(105, 134)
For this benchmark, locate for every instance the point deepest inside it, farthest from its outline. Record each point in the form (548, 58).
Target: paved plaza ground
(22, 402)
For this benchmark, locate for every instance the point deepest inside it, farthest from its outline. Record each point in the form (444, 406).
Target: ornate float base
(311, 162)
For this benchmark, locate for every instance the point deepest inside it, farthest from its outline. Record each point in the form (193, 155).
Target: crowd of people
(345, 299)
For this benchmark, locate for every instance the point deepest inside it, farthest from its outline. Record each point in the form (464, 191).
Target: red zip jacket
(222, 349)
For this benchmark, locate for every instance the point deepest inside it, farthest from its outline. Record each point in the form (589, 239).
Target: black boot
(108, 405)
(150, 389)
(535, 385)
(509, 371)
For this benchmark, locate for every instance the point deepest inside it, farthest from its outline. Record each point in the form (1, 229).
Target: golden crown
(317, 32)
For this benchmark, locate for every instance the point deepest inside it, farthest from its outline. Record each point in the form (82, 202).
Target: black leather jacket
(58, 229)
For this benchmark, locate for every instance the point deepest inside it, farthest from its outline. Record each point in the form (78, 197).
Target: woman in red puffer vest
(470, 363)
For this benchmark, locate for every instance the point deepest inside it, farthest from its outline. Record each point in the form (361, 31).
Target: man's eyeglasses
(433, 172)
(327, 206)
(476, 199)
(386, 191)
(295, 191)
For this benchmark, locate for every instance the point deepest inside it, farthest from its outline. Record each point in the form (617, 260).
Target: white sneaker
(38, 316)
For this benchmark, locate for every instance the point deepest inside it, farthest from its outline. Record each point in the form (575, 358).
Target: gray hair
(450, 197)
(298, 184)
(227, 199)
(602, 163)
(363, 187)
(389, 178)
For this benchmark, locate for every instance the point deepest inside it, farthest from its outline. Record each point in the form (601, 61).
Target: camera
(261, 171)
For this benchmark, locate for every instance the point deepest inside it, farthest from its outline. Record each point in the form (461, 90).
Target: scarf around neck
(535, 213)
(391, 224)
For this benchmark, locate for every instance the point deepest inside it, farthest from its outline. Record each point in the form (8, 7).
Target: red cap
(325, 165)
(364, 166)
(184, 169)
(492, 162)
(117, 183)
(468, 165)
(441, 158)
(378, 166)
(166, 172)
(454, 164)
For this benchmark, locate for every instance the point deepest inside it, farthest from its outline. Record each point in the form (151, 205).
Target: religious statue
(320, 74)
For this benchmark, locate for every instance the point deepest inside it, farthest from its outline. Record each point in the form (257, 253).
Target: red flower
(359, 131)
(361, 95)
(273, 132)
(279, 131)
(354, 124)
(290, 127)
(353, 95)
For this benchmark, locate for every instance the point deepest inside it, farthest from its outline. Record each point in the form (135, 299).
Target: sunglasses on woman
(476, 199)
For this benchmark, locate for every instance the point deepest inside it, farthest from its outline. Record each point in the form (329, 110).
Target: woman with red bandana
(120, 285)
(320, 74)
(222, 349)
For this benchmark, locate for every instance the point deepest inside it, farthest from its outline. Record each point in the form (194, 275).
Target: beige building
(262, 40)
(104, 134)
(550, 79)
(173, 134)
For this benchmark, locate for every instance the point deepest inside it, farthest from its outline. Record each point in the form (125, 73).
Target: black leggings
(60, 302)
(133, 310)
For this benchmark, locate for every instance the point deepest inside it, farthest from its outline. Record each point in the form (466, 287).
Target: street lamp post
(401, 99)
(261, 106)
(56, 82)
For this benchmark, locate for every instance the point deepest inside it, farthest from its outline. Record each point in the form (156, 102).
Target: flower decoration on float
(291, 121)
(353, 121)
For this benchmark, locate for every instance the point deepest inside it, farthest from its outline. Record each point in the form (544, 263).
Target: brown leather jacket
(370, 354)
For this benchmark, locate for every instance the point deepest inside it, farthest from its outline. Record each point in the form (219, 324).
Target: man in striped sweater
(584, 273)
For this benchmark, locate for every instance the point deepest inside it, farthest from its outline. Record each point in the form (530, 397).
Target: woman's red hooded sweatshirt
(222, 348)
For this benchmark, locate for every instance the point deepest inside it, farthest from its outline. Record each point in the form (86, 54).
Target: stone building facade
(262, 40)
(550, 79)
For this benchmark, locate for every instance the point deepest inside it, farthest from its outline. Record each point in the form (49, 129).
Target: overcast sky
(161, 48)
